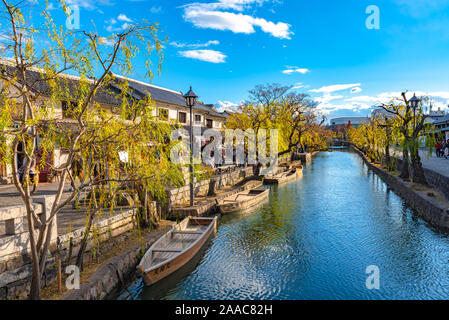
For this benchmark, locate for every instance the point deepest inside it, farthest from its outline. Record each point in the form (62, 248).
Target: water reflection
(314, 240)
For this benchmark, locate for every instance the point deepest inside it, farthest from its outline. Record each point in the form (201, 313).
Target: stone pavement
(10, 197)
(431, 162)
(69, 219)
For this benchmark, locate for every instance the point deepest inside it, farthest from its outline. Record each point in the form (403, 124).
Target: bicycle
(33, 177)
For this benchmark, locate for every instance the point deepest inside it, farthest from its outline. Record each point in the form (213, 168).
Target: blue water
(314, 240)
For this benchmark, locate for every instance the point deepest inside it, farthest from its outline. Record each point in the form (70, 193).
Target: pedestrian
(438, 147)
(446, 149)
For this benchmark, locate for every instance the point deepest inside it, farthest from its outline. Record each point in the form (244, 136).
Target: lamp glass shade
(190, 101)
(414, 102)
(190, 98)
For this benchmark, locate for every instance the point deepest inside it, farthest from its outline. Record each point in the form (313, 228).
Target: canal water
(314, 240)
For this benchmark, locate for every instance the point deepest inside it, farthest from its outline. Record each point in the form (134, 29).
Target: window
(163, 114)
(197, 119)
(68, 109)
(182, 117)
(209, 123)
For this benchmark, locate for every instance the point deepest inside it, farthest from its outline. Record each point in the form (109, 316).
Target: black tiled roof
(441, 119)
(108, 95)
(36, 83)
(169, 96)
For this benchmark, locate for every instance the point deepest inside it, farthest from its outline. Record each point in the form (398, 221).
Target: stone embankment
(114, 274)
(432, 206)
(15, 262)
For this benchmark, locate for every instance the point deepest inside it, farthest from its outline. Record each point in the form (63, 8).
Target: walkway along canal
(314, 240)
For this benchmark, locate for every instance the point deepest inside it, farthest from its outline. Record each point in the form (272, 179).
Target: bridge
(339, 143)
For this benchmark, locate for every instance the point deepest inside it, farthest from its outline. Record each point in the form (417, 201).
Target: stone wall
(228, 177)
(14, 239)
(438, 180)
(113, 275)
(435, 179)
(426, 206)
(305, 158)
(15, 269)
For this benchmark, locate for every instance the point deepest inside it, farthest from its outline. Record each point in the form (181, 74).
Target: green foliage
(398, 128)
(273, 106)
(107, 147)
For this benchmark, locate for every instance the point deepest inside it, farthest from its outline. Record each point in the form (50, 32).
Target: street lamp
(190, 102)
(414, 102)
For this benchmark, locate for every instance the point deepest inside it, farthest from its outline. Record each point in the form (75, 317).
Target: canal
(314, 240)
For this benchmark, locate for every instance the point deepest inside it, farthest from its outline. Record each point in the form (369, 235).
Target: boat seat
(187, 232)
(166, 250)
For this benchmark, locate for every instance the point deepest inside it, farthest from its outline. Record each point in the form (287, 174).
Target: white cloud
(123, 17)
(237, 5)
(155, 9)
(226, 106)
(291, 70)
(50, 6)
(298, 85)
(194, 45)
(89, 4)
(112, 23)
(356, 90)
(335, 87)
(208, 16)
(421, 8)
(123, 27)
(327, 98)
(107, 41)
(440, 99)
(204, 55)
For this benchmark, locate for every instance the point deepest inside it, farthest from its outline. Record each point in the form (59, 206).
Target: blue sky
(223, 48)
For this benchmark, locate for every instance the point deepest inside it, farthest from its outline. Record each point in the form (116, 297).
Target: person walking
(438, 147)
(446, 149)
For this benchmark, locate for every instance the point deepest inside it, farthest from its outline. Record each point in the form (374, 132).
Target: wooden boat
(174, 249)
(296, 164)
(282, 177)
(243, 200)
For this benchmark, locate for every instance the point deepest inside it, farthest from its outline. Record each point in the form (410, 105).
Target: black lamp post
(190, 102)
(414, 102)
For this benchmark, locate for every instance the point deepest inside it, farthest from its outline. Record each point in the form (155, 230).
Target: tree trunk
(212, 184)
(417, 170)
(405, 172)
(258, 169)
(83, 245)
(387, 157)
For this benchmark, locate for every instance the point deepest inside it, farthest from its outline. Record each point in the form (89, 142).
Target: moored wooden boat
(243, 200)
(282, 177)
(174, 249)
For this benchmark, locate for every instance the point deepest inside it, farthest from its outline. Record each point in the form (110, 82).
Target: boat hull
(153, 276)
(282, 178)
(227, 208)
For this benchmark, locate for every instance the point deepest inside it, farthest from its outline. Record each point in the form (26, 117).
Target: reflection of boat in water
(283, 177)
(162, 288)
(243, 200)
(175, 248)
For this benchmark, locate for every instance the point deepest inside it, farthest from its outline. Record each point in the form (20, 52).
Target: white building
(170, 106)
(355, 121)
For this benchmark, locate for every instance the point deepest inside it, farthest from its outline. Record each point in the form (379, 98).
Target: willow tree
(399, 125)
(412, 125)
(113, 147)
(273, 106)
